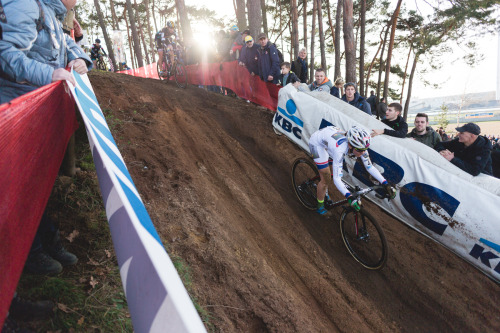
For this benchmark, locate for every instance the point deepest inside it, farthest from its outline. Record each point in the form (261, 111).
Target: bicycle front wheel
(163, 69)
(305, 179)
(363, 238)
(180, 75)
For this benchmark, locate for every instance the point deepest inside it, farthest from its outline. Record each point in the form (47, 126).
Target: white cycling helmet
(358, 138)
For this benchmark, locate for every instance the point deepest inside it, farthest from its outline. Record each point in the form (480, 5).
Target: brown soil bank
(216, 181)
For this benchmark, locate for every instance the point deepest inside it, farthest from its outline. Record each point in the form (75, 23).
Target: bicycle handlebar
(368, 190)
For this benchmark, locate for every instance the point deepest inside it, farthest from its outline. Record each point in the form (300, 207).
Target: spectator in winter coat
(249, 57)
(337, 88)
(372, 100)
(444, 136)
(394, 120)
(237, 42)
(299, 66)
(31, 57)
(423, 132)
(352, 97)
(470, 152)
(269, 62)
(321, 82)
(286, 76)
(381, 109)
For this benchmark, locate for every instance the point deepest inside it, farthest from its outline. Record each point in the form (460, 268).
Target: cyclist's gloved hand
(353, 202)
(390, 191)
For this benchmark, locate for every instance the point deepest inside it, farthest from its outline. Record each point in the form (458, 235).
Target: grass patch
(89, 295)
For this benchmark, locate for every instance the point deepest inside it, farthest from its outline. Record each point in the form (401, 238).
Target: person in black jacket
(394, 120)
(299, 66)
(469, 151)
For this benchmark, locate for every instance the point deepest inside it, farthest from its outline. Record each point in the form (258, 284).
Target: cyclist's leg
(160, 58)
(170, 52)
(94, 62)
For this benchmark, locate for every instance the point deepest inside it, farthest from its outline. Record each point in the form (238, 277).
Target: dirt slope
(216, 181)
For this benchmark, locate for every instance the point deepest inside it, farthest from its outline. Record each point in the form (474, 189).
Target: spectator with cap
(423, 132)
(269, 62)
(238, 41)
(469, 151)
(352, 97)
(249, 56)
(393, 119)
(299, 66)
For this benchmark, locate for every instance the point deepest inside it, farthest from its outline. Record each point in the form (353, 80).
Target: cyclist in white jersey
(331, 142)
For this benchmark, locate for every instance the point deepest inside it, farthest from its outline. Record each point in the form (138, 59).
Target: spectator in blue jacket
(249, 56)
(352, 97)
(269, 62)
(31, 56)
(337, 87)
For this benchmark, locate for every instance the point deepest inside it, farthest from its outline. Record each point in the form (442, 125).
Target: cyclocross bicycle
(101, 64)
(175, 68)
(361, 233)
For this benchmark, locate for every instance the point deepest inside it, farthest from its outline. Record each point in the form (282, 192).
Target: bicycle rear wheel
(305, 179)
(363, 238)
(101, 65)
(180, 75)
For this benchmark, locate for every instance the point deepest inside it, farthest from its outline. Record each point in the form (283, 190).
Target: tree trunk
(394, 20)
(295, 30)
(321, 34)
(154, 16)
(313, 30)
(150, 32)
(304, 22)
(109, 43)
(362, 50)
(254, 16)
(410, 85)
(135, 35)
(330, 22)
(373, 61)
(114, 19)
(381, 61)
(338, 15)
(349, 45)
(264, 16)
(404, 77)
(239, 9)
(187, 33)
(141, 33)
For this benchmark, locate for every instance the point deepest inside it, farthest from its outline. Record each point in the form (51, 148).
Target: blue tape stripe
(140, 211)
(84, 87)
(494, 246)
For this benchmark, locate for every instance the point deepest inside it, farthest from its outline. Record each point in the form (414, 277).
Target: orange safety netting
(34, 132)
(227, 74)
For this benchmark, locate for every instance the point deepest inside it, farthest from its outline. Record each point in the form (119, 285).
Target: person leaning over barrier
(321, 82)
(423, 132)
(394, 120)
(469, 151)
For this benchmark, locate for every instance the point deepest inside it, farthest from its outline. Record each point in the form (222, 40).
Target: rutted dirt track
(216, 181)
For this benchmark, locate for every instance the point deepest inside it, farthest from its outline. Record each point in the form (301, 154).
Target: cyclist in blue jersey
(332, 143)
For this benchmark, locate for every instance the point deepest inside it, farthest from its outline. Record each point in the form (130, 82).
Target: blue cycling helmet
(98, 41)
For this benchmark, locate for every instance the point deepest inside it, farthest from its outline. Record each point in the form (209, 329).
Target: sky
(454, 77)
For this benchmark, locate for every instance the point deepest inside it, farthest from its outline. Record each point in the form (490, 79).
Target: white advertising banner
(156, 297)
(434, 197)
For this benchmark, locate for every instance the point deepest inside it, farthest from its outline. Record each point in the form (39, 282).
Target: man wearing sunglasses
(328, 146)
